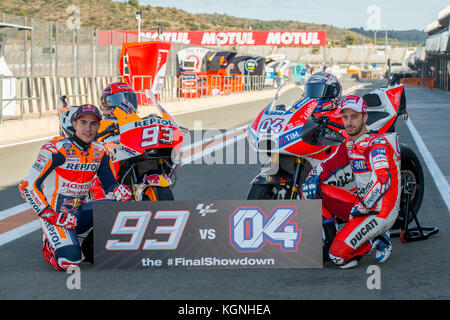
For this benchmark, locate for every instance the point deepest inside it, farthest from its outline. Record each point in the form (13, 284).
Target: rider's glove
(309, 188)
(359, 211)
(63, 219)
(122, 193)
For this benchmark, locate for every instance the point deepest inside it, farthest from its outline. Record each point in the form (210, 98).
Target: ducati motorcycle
(294, 138)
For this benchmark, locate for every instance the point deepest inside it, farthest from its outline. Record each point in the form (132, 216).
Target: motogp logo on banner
(250, 230)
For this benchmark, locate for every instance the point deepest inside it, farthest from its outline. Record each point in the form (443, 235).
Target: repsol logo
(82, 166)
(31, 201)
(151, 121)
(53, 234)
(363, 231)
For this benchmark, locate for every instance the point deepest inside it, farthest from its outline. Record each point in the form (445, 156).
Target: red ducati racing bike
(294, 137)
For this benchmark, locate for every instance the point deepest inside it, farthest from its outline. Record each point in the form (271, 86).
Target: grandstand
(363, 54)
(432, 60)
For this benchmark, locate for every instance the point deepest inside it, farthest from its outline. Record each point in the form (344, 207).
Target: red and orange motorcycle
(142, 149)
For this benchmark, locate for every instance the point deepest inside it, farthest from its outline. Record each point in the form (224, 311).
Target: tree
(134, 3)
(349, 39)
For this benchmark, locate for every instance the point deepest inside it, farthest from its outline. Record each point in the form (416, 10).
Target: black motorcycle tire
(260, 192)
(411, 169)
(87, 247)
(162, 194)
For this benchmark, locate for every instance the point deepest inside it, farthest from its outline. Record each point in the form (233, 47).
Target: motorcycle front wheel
(161, 194)
(262, 192)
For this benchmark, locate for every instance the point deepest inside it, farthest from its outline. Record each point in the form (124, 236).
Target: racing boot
(49, 253)
(383, 246)
(350, 260)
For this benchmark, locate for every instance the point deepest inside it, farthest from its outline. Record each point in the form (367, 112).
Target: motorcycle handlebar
(324, 120)
(108, 130)
(335, 124)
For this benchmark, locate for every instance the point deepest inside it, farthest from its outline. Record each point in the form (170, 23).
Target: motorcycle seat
(375, 116)
(372, 100)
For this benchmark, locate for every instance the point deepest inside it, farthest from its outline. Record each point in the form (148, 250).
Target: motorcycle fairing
(283, 125)
(384, 110)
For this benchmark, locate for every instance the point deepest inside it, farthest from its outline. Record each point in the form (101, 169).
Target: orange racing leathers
(60, 180)
(373, 209)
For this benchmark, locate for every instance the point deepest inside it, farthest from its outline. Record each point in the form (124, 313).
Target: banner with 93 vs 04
(208, 234)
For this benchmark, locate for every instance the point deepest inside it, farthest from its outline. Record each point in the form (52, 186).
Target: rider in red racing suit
(371, 211)
(58, 184)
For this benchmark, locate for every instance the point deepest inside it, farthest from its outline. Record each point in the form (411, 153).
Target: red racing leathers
(375, 162)
(60, 180)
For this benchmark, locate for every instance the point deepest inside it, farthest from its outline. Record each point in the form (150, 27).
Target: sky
(394, 14)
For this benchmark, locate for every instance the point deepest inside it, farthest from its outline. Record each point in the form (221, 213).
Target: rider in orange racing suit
(59, 182)
(373, 209)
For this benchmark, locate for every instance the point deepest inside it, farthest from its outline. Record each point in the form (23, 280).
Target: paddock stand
(417, 233)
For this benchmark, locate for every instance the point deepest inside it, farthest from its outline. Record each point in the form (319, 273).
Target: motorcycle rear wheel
(411, 170)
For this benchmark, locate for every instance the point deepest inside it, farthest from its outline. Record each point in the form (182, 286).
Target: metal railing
(27, 92)
(39, 95)
(200, 85)
(32, 96)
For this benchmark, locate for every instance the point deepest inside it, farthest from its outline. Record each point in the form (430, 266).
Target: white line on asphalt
(347, 91)
(210, 139)
(351, 89)
(14, 210)
(25, 142)
(209, 150)
(217, 107)
(19, 232)
(436, 173)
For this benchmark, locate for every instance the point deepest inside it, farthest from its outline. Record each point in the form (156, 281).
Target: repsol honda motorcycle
(294, 138)
(142, 150)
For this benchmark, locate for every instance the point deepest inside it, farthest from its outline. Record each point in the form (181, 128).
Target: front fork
(296, 187)
(299, 166)
(137, 188)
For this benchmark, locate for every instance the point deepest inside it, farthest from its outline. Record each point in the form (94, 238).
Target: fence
(436, 66)
(35, 96)
(39, 95)
(418, 82)
(173, 88)
(54, 59)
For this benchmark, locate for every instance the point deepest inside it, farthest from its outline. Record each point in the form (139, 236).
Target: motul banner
(231, 38)
(208, 234)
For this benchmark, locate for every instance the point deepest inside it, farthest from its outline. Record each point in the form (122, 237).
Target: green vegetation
(107, 14)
